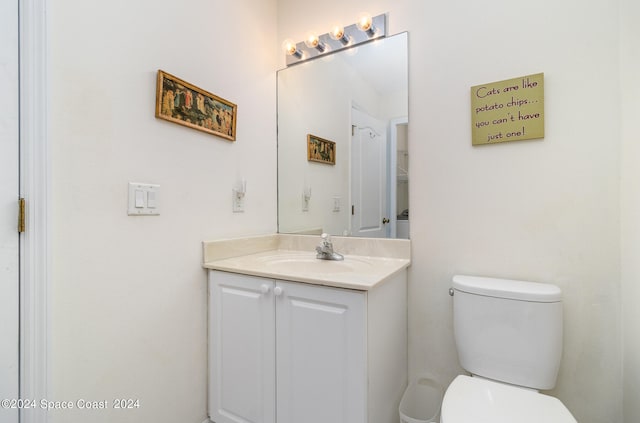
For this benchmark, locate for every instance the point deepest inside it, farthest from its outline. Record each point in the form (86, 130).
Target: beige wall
(630, 69)
(129, 295)
(539, 210)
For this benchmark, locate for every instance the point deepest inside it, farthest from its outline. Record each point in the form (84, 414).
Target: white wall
(129, 294)
(630, 92)
(535, 210)
(311, 108)
(545, 210)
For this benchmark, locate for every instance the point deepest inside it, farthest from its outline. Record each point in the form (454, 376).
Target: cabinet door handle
(264, 288)
(277, 291)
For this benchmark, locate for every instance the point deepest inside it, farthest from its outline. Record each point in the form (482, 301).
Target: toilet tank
(507, 330)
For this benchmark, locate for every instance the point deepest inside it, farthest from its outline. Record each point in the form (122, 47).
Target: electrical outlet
(237, 201)
(336, 204)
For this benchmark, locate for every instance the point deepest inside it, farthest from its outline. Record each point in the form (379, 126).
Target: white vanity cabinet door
(321, 354)
(241, 349)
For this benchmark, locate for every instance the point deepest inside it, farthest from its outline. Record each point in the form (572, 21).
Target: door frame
(393, 172)
(35, 187)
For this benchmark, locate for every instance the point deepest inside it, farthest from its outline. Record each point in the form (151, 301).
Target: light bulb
(313, 41)
(290, 48)
(338, 34)
(365, 23)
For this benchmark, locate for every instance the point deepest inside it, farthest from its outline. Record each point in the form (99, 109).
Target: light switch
(143, 199)
(151, 200)
(139, 199)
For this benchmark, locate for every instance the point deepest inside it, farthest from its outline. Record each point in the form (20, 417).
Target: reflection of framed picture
(180, 102)
(320, 150)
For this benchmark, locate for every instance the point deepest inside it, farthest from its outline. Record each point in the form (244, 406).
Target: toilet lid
(476, 400)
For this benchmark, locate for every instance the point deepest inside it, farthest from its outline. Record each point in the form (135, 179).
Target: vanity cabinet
(290, 352)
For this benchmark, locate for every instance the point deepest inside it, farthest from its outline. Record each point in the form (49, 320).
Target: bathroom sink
(310, 264)
(354, 272)
(367, 262)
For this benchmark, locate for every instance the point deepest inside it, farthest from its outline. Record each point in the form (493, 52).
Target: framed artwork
(320, 150)
(183, 103)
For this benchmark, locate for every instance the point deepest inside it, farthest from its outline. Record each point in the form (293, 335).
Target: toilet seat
(476, 400)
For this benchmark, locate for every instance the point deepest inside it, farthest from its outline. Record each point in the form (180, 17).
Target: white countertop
(294, 259)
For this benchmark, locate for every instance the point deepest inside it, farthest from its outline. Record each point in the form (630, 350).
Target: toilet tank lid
(508, 288)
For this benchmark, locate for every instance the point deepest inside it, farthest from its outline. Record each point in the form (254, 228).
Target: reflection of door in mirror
(369, 159)
(316, 97)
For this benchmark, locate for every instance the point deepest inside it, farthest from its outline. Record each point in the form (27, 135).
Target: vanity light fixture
(366, 29)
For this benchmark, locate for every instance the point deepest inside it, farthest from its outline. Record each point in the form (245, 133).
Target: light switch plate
(146, 202)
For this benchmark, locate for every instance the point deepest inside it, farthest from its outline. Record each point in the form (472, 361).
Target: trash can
(421, 401)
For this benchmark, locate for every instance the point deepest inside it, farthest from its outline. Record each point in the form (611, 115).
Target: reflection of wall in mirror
(316, 98)
(305, 108)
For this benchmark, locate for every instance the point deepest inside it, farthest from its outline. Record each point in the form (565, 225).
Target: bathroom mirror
(342, 142)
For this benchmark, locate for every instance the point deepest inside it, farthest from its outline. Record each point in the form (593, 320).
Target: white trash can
(421, 401)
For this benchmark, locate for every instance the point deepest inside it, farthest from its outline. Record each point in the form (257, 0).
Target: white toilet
(509, 337)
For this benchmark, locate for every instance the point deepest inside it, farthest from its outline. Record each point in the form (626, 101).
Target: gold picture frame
(183, 103)
(321, 150)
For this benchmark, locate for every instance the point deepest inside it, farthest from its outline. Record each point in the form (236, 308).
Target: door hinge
(21, 215)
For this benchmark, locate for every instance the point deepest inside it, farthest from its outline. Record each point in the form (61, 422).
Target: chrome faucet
(325, 250)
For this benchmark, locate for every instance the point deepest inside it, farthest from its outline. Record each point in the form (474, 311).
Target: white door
(9, 191)
(369, 197)
(321, 354)
(241, 349)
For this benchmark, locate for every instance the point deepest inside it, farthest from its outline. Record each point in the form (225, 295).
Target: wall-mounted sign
(510, 110)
